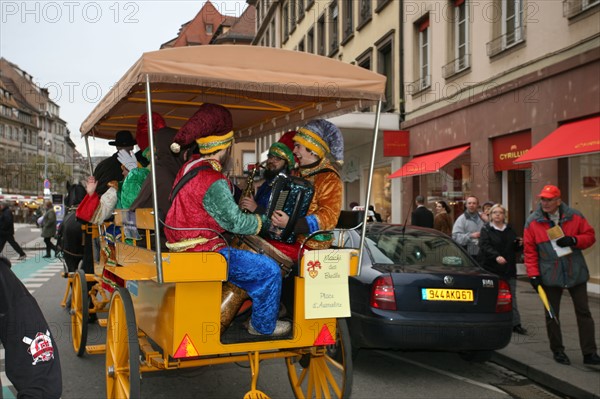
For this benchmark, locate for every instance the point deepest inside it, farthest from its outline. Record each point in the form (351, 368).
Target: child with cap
(206, 201)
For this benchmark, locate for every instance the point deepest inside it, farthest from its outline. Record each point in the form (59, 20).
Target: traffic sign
(46, 183)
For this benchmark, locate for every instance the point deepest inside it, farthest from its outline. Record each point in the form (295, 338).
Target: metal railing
(506, 41)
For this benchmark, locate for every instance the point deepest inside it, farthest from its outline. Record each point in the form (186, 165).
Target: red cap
(549, 191)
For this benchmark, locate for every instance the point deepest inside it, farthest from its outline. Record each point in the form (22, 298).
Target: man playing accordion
(314, 144)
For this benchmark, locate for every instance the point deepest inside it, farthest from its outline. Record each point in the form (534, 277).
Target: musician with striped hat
(319, 150)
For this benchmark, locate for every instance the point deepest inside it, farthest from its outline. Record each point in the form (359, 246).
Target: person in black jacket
(7, 230)
(110, 168)
(421, 216)
(31, 356)
(498, 249)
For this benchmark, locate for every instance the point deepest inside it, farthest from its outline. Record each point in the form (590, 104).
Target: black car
(419, 290)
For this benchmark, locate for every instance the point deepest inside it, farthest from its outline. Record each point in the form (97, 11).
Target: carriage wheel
(122, 348)
(324, 371)
(79, 312)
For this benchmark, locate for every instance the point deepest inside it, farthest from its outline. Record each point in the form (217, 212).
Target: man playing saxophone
(280, 159)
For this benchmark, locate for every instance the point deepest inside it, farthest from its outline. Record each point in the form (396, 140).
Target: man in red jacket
(554, 273)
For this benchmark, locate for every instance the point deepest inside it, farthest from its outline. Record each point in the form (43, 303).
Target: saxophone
(249, 189)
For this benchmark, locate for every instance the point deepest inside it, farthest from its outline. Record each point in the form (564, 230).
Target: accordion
(291, 195)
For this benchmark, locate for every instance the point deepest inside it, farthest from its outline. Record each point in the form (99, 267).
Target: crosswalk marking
(35, 280)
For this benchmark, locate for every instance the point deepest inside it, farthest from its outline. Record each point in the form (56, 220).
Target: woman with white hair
(499, 246)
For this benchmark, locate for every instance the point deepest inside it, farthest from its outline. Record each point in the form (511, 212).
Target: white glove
(127, 159)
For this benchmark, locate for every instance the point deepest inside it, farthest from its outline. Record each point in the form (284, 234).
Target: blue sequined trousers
(260, 277)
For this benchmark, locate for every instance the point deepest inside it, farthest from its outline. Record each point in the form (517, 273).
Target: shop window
(453, 183)
(584, 195)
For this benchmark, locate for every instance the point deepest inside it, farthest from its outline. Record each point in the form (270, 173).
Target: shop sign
(508, 148)
(395, 143)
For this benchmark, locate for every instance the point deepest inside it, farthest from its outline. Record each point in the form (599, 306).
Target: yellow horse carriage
(166, 312)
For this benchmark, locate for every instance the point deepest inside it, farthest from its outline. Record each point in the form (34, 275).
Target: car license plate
(444, 294)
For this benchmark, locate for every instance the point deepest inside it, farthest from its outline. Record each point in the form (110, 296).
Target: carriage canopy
(266, 89)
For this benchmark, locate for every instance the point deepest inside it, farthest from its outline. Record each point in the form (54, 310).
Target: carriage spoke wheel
(323, 372)
(122, 348)
(79, 312)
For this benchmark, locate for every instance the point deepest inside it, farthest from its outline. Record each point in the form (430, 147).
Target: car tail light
(382, 293)
(504, 302)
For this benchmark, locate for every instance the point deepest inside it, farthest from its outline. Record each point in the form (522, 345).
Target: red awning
(576, 138)
(430, 163)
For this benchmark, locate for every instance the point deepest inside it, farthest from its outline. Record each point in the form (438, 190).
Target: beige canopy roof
(266, 89)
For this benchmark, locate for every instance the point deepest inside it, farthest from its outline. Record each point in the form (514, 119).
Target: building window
(572, 8)
(365, 61)
(292, 15)
(385, 66)
(510, 30)
(208, 29)
(381, 4)
(301, 45)
(285, 18)
(301, 11)
(333, 31)
(459, 33)
(273, 36)
(348, 19)
(321, 35)
(310, 41)
(422, 45)
(365, 12)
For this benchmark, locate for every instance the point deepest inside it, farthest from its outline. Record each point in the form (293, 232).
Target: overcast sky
(79, 49)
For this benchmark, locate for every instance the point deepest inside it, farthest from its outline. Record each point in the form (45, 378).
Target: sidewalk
(531, 356)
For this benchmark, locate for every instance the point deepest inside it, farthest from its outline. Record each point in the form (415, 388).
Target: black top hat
(123, 139)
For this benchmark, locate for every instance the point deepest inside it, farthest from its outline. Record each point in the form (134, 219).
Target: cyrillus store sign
(509, 148)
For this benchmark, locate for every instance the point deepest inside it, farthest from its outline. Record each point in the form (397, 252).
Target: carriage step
(95, 349)
(102, 322)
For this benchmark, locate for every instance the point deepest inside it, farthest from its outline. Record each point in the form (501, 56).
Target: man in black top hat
(110, 168)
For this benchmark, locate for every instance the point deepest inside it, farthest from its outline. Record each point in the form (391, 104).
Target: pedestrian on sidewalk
(467, 228)
(7, 230)
(49, 229)
(554, 273)
(31, 356)
(498, 249)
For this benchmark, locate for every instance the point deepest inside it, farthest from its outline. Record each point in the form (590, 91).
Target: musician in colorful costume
(206, 201)
(280, 159)
(314, 144)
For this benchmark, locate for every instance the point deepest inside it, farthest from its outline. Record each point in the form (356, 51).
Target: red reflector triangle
(324, 337)
(186, 348)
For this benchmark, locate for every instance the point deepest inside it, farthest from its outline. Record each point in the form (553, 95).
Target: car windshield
(414, 249)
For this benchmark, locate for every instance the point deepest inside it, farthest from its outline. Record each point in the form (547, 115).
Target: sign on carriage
(326, 292)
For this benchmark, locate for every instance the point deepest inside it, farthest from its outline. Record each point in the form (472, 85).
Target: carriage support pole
(158, 259)
(371, 169)
(87, 149)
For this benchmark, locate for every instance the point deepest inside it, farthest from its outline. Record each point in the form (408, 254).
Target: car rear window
(413, 249)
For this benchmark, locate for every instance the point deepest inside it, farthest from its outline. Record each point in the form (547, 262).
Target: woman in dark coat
(443, 220)
(49, 228)
(498, 248)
